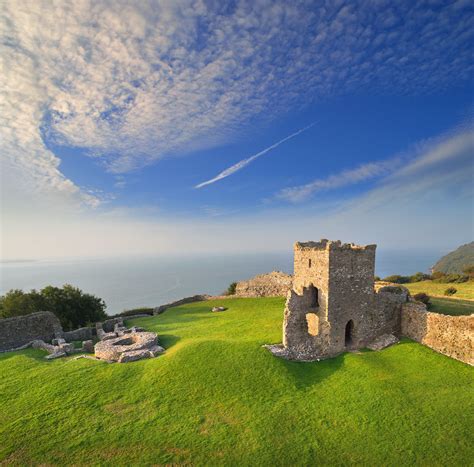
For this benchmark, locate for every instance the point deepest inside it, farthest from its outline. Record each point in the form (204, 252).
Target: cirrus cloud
(133, 82)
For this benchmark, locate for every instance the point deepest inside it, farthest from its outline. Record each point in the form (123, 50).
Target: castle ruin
(333, 306)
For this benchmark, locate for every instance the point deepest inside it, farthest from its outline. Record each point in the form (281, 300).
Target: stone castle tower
(333, 306)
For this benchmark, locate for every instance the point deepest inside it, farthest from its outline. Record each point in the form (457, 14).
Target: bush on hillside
(231, 288)
(423, 298)
(437, 275)
(420, 276)
(72, 306)
(397, 279)
(377, 278)
(452, 278)
(469, 271)
(450, 291)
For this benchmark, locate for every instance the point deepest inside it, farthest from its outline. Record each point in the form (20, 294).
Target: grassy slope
(465, 290)
(217, 396)
(449, 306)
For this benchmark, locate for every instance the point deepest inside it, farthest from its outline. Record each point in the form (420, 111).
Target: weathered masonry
(333, 306)
(19, 330)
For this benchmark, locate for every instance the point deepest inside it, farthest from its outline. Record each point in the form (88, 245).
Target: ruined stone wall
(311, 266)
(450, 335)
(273, 284)
(19, 330)
(81, 334)
(305, 325)
(195, 298)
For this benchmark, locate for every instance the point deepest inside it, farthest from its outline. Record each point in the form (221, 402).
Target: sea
(131, 282)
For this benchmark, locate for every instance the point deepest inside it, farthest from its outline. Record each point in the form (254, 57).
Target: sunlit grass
(218, 397)
(465, 290)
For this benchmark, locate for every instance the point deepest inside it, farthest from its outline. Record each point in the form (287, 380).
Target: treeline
(72, 306)
(438, 276)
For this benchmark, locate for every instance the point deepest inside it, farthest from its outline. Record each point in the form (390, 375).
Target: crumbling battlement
(325, 244)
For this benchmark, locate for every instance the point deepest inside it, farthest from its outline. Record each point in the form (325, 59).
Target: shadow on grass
(168, 340)
(307, 374)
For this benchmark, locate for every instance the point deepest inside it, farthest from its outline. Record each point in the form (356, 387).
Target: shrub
(72, 306)
(420, 276)
(450, 291)
(450, 278)
(423, 298)
(231, 288)
(377, 278)
(437, 275)
(397, 279)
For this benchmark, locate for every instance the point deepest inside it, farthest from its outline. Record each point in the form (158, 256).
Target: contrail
(244, 162)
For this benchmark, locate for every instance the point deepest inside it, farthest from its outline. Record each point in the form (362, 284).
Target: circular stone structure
(129, 347)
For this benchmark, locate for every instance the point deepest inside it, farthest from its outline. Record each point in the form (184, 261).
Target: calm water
(132, 282)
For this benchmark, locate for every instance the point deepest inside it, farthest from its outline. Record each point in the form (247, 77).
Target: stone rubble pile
(58, 348)
(124, 345)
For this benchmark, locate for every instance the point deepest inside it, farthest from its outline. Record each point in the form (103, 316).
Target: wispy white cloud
(133, 82)
(436, 172)
(416, 169)
(347, 177)
(244, 162)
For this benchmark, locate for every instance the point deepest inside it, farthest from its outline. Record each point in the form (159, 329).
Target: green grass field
(449, 306)
(218, 397)
(465, 290)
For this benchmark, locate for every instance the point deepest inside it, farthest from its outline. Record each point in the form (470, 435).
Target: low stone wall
(272, 284)
(81, 334)
(195, 298)
(18, 331)
(109, 324)
(450, 335)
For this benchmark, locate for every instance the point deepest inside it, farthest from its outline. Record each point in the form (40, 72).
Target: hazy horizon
(129, 282)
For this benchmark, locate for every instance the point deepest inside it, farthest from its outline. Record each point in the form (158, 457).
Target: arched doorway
(349, 333)
(314, 299)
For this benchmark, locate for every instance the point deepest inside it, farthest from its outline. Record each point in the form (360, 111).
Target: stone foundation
(450, 335)
(128, 347)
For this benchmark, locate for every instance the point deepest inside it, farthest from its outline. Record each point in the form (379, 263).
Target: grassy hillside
(465, 290)
(218, 397)
(455, 261)
(449, 306)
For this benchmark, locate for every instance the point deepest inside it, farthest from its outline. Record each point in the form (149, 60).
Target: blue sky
(116, 111)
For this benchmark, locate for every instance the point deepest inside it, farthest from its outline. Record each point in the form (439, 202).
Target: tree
(18, 303)
(72, 306)
(231, 288)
